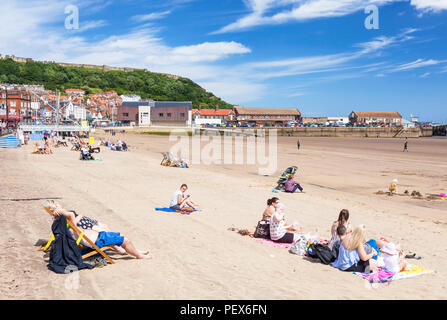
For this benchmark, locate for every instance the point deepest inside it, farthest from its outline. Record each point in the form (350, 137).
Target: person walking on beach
(298, 144)
(179, 201)
(291, 185)
(405, 145)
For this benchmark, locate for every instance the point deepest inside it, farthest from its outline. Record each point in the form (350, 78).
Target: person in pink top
(291, 185)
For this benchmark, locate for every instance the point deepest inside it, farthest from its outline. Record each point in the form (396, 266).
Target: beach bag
(323, 253)
(299, 247)
(262, 230)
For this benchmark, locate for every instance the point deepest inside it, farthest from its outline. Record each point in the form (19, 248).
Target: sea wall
(356, 132)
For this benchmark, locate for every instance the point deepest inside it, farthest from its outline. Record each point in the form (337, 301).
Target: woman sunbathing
(270, 210)
(97, 232)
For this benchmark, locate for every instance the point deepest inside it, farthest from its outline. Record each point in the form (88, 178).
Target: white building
(75, 111)
(130, 97)
(338, 120)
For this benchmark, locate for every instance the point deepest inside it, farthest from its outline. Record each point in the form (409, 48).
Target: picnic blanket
(382, 275)
(274, 244)
(287, 245)
(166, 209)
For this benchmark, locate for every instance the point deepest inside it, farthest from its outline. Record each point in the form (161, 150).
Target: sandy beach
(196, 256)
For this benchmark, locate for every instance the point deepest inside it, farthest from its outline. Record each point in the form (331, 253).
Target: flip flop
(413, 256)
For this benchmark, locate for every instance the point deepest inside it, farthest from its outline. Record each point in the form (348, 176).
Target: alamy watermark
(72, 20)
(72, 280)
(372, 21)
(240, 147)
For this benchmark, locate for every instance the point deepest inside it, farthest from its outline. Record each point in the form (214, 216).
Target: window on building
(160, 114)
(125, 114)
(12, 104)
(169, 115)
(182, 114)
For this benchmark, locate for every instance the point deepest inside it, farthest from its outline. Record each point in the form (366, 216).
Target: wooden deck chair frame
(36, 149)
(165, 160)
(94, 248)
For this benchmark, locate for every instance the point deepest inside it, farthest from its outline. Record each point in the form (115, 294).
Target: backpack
(322, 252)
(262, 230)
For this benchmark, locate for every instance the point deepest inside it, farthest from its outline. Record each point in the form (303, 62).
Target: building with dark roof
(367, 117)
(155, 113)
(267, 116)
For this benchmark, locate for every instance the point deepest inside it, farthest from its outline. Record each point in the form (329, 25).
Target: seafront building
(368, 117)
(213, 116)
(266, 117)
(15, 105)
(156, 113)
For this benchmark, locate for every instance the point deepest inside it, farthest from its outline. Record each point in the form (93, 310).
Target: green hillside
(148, 85)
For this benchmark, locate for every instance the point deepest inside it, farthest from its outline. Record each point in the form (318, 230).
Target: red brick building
(15, 105)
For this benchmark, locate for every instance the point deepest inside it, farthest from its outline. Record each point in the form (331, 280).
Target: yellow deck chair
(94, 247)
(36, 149)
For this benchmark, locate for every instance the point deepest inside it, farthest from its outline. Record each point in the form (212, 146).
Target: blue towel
(374, 245)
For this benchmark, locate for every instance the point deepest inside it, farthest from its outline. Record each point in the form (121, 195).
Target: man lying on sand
(97, 232)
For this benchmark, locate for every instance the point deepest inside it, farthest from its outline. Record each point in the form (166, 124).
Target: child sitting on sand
(393, 187)
(341, 233)
(393, 258)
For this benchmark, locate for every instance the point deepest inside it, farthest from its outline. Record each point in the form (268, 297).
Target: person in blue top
(352, 255)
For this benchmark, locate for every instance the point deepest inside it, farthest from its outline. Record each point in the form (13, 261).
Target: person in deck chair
(98, 233)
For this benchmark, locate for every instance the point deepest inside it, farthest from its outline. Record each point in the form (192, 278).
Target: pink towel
(275, 244)
(378, 277)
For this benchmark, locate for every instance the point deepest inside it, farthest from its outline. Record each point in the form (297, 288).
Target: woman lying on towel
(352, 255)
(97, 232)
(278, 227)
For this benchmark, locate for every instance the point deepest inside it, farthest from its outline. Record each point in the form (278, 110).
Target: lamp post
(7, 109)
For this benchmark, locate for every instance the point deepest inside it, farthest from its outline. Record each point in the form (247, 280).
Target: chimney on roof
(217, 107)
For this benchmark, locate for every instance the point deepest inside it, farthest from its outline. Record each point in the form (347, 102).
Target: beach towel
(382, 275)
(274, 244)
(166, 209)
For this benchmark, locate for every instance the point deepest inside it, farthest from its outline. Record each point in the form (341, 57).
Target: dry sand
(195, 256)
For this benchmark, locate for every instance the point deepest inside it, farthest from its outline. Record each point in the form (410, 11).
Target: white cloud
(430, 5)
(151, 16)
(419, 63)
(87, 25)
(271, 12)
(425, 75)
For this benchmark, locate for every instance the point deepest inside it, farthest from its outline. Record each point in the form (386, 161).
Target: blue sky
(315, 55)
